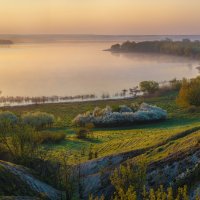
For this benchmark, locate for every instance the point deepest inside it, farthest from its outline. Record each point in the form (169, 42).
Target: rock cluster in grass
(106, 117)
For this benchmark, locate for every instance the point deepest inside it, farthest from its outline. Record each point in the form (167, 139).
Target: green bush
(38, 120)
(129, 175)
(149, 87)
(50, 137)
(152, 194)
(82, 132)
(9, 117)
(129, 182)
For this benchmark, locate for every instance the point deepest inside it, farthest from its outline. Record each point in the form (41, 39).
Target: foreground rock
(17, 180)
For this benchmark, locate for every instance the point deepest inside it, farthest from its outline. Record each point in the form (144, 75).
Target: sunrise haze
(100, 16)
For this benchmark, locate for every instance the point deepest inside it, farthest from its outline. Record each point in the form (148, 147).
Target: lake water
(81, 67)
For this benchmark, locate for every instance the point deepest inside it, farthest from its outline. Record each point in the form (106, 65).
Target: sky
(100, 17)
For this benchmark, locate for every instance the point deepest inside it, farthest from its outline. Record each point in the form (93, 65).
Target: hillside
(173, 162)
(171, 148)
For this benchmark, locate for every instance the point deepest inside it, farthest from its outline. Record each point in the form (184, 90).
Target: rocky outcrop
(29, 185)
(171, 171)
(182, 167)
(177, 169)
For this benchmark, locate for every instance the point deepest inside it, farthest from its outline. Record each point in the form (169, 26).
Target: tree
(105, 96)
(175, 84)
(20, 140)
(67, 175)
(115, 47)
(189, 94)
(124, 91)
(149, 86)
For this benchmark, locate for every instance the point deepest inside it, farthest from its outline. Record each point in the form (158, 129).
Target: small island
(6, 42)
(181, 48)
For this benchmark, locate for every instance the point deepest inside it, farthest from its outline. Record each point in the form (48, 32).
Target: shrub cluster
(8, 117)
(50, 137)
(82, 133)
(38, 120)
(105, 117)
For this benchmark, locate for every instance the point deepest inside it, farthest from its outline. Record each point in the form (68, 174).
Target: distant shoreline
(185, 47)
(53, 38)
(63, 102)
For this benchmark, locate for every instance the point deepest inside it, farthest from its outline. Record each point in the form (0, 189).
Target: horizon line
(88, 34)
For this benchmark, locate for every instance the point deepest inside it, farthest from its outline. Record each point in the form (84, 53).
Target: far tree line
(181, 48)
(188, 88)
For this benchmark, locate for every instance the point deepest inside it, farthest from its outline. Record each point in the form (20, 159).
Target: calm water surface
(72, 68)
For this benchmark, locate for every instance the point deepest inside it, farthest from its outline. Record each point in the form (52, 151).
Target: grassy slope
(184, 144)
(115, 140)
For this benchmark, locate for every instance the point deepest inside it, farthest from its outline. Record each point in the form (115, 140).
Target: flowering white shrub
(38, 120)
(6, 116)
(97, 112)
(105, 117)
(124, 108)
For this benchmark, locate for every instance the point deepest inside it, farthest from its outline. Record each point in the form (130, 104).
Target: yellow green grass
(108, 141)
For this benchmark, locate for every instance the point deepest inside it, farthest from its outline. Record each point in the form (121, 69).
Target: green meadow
(108, 141)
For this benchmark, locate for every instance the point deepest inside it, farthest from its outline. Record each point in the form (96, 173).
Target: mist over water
(71, 67)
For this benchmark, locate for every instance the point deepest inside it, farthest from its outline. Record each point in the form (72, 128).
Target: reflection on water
(82, 68)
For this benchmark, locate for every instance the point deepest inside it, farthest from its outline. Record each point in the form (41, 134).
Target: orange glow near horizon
(100, 16)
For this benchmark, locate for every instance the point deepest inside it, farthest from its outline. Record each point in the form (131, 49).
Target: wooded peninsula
(185, 47)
